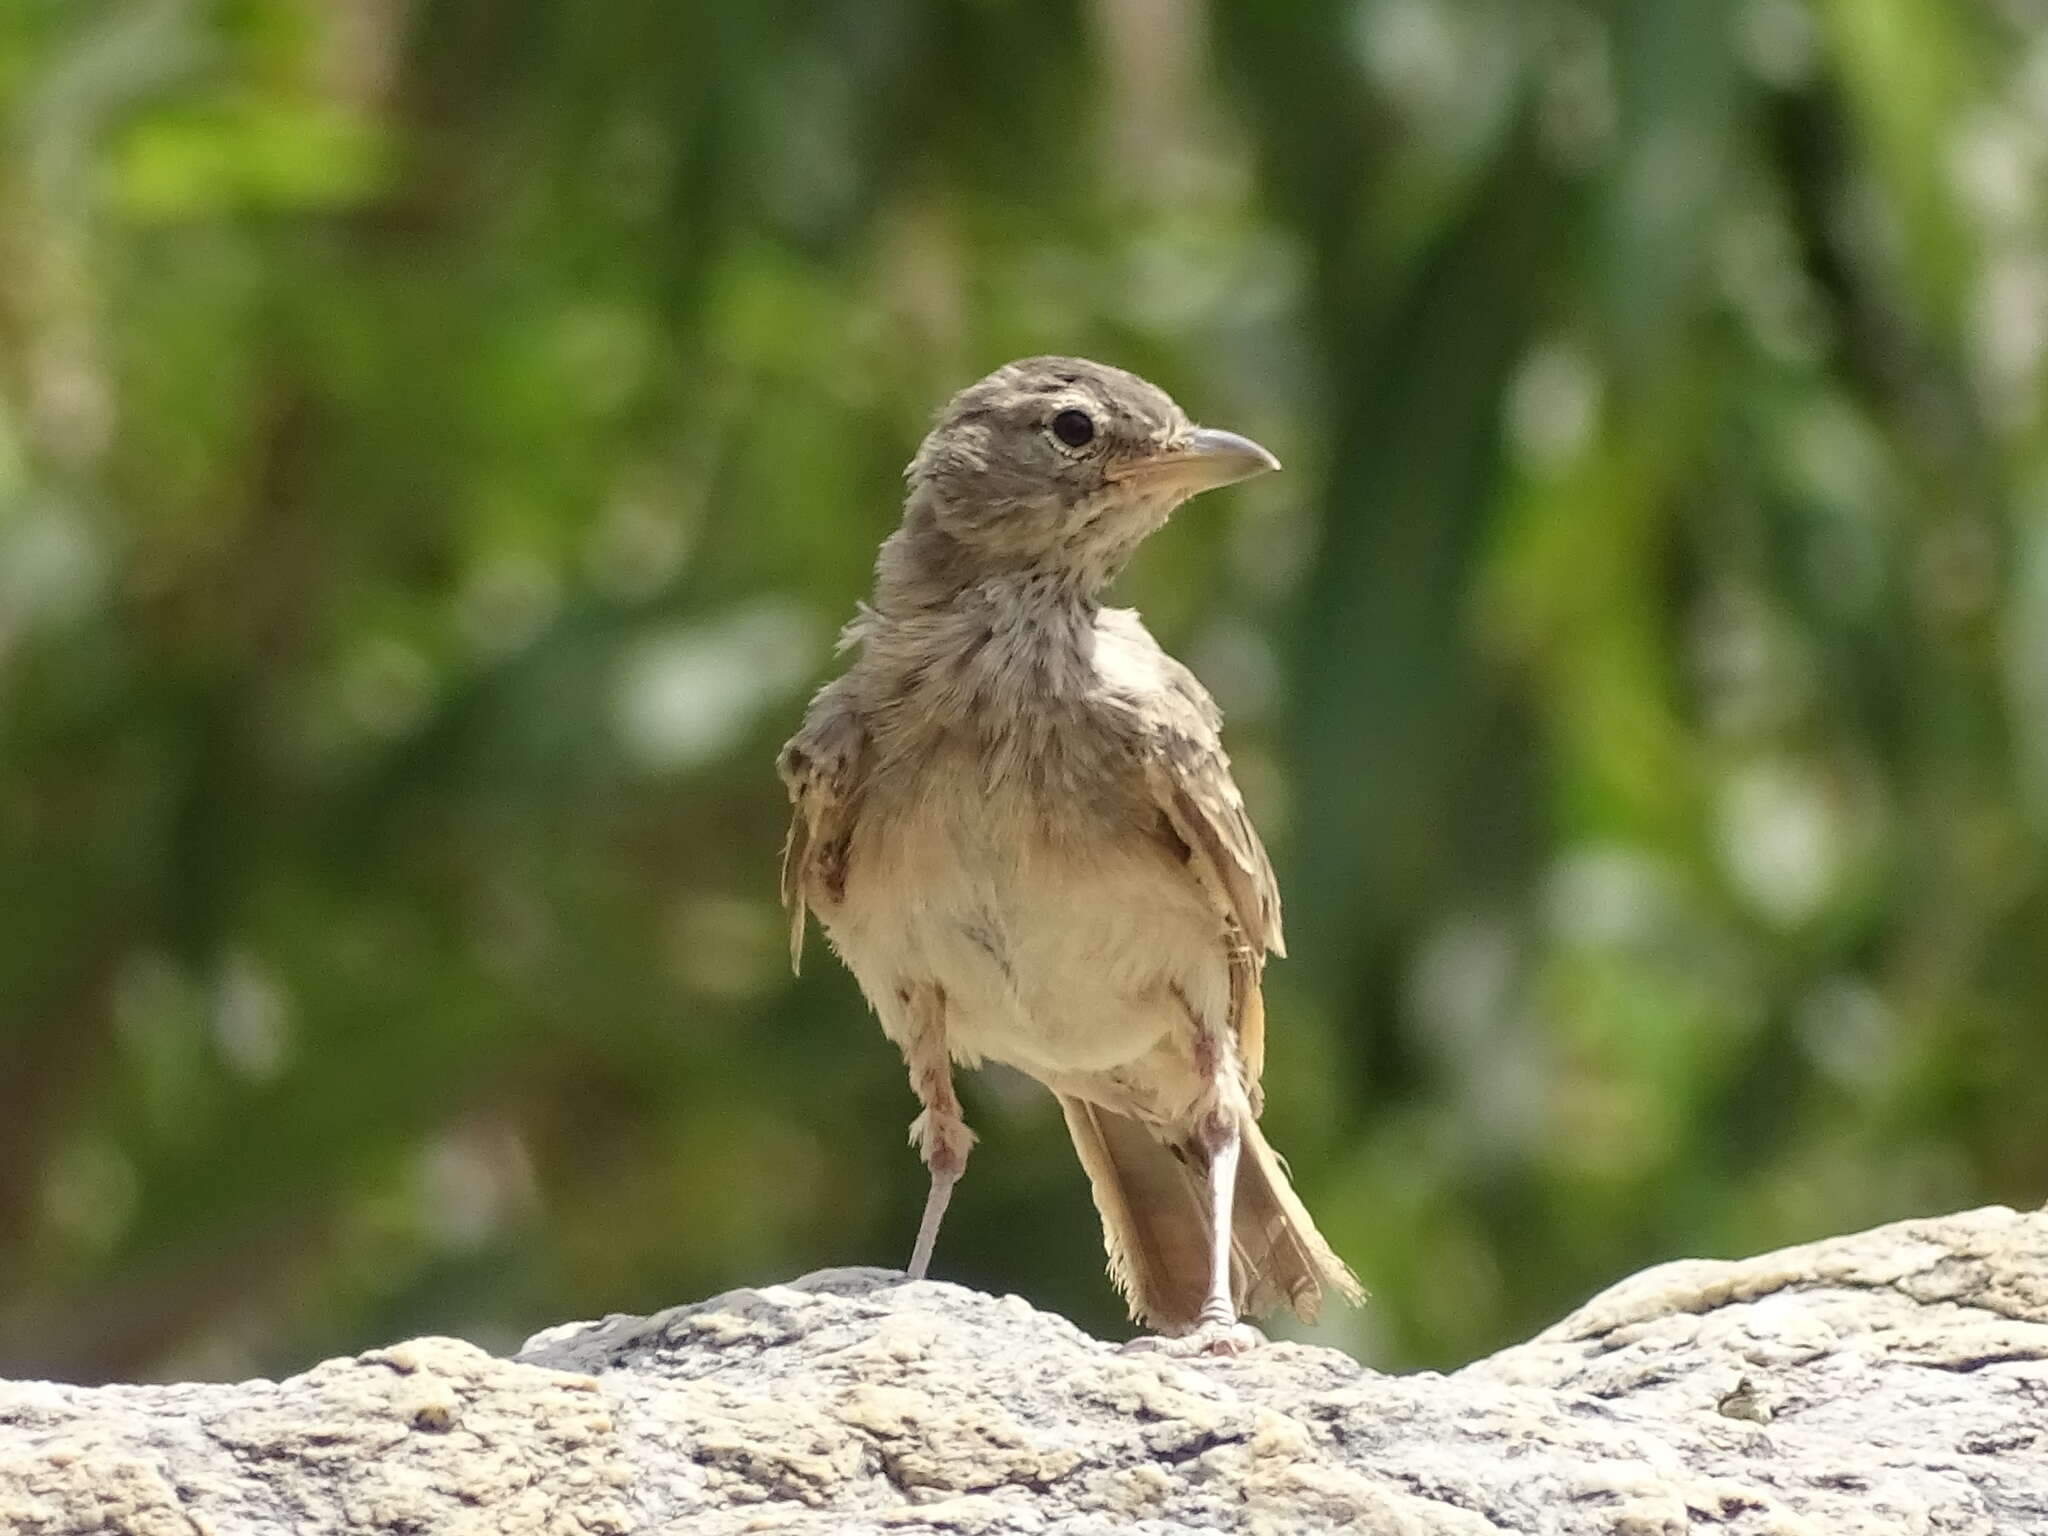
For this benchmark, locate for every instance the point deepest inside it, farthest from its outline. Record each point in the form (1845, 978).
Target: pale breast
(1067, 935)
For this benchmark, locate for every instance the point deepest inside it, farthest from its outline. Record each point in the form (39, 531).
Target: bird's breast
(1065, 934)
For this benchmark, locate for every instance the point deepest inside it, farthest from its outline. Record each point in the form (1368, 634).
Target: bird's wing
(1179, 737)
(820, 765)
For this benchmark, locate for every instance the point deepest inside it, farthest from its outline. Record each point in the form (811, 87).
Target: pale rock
(1891, 1383)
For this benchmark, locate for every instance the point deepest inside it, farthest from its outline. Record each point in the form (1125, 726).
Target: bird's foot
(1218, 1340)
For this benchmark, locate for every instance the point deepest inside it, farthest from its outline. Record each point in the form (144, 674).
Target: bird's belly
(1076, 974)
(1058, 956)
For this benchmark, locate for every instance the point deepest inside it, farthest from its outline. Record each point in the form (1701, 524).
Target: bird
(1013, 816)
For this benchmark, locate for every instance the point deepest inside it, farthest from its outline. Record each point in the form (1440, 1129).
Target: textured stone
(1891, 1382)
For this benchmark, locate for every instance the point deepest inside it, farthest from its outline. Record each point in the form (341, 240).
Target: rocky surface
(1895, 1381)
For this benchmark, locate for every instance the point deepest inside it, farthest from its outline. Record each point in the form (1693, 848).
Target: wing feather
(1179, 736)
(820, 766)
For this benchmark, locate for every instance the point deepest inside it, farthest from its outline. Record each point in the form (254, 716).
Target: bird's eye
(1074, 428)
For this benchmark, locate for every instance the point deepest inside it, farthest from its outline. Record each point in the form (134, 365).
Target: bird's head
(1056, 466)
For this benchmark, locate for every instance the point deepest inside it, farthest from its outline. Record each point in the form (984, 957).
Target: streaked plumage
(1015, 818)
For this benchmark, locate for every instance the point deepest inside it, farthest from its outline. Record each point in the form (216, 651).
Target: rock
(1891, 1382)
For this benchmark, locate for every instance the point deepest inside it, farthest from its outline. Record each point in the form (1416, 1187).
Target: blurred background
(440, 438)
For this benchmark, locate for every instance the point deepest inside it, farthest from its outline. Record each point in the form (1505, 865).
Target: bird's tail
(1153, 1197)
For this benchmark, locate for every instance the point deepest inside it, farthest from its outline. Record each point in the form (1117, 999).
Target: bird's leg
(1219, 1133)
(942, 1140)
(1221, 1139)
(939, 1133)
(1217, 1330)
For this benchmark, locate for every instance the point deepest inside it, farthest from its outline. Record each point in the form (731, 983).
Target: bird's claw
(1223, 1341)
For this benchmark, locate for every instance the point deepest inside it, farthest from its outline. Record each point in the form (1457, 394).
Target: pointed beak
(1200, 460)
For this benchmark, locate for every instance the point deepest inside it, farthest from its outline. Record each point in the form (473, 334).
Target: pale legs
(939, 1133)
(1217, 1330)
(1220, 1134)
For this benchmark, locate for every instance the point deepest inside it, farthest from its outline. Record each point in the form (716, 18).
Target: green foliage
(439, 438)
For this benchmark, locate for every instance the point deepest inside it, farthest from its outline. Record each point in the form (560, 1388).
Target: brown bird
(1016, 821)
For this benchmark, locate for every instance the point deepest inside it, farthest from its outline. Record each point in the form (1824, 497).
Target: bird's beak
(1200, 460)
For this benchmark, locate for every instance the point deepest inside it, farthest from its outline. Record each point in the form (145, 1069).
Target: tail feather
(1289, 1261)
(1152, 1220)
(1153, 1198)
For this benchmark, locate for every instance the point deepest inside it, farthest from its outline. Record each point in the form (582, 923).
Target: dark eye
(1074, 428)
